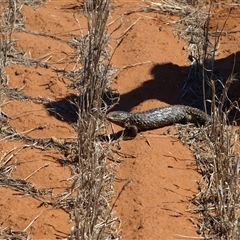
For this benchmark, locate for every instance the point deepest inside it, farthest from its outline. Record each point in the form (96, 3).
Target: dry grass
(88, 200)
(11, 20)
(218, 199)
(217, 202)
(8, 19)
(94, 180)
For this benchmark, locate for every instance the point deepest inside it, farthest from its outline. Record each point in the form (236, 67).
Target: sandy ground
(152, 64)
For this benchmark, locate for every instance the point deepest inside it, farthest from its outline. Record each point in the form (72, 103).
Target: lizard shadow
(168, 80)
(66, 109)
(165, 85)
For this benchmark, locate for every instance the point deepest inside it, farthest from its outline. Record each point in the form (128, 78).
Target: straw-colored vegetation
(94, 181)
(92, 191)
(217, 203)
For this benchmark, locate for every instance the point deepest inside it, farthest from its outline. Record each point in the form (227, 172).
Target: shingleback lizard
(156, 118)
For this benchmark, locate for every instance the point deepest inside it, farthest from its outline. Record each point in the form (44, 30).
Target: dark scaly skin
(156, 118)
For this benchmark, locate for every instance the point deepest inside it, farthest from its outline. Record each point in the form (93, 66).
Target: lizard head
(118, 117)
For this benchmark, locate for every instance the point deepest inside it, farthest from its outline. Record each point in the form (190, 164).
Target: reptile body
(156, 118)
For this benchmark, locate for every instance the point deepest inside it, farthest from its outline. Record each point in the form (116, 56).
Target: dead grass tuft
(213, 146)
(10, 234)
(217, 202)
(94, 180)
(12, 20)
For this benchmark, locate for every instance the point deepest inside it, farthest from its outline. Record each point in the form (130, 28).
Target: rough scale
(156, 118)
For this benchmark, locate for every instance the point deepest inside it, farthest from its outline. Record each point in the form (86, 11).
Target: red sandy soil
(155, 204)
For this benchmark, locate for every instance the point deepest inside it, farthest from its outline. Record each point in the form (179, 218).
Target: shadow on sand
(166, 85)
